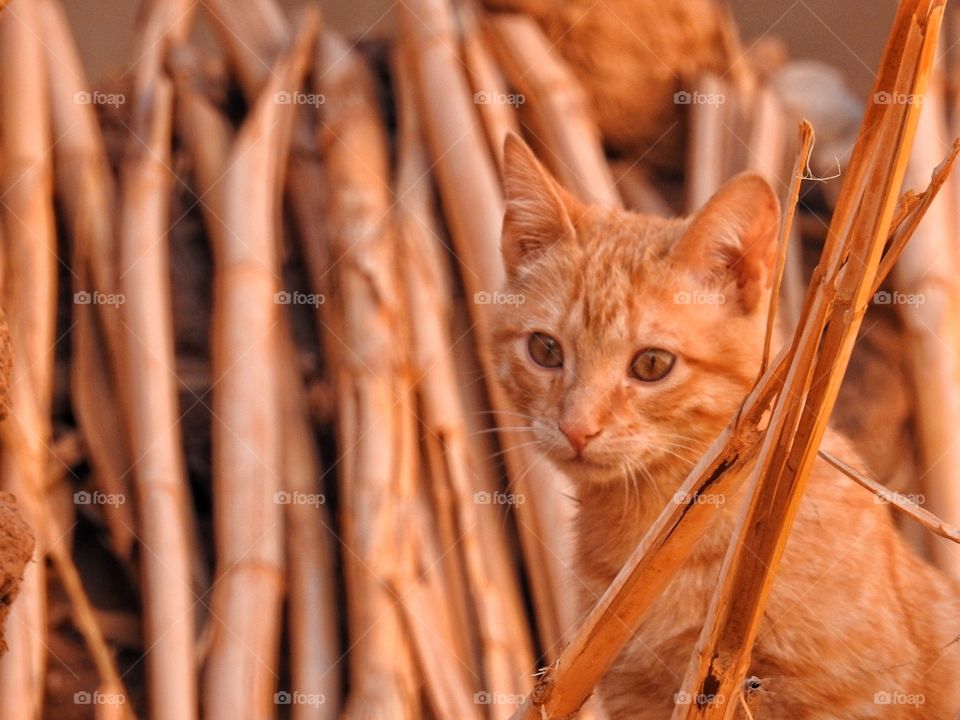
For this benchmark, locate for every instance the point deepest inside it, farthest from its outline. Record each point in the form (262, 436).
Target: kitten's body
(854, 619)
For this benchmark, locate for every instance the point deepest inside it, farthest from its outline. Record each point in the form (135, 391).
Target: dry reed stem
(823, 345)
(148, 373)
(85, 187)
(29, 299)
(496, 608)
(637, 191)
(561, 122)
(901, 503)
(457, 146)
(926, 296)
(564, 687)
(490, 91)
(705, 165)
(786, 234)
(367, 352)
(241, 670)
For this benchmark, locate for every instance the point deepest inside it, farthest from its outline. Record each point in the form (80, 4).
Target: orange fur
(854, 618)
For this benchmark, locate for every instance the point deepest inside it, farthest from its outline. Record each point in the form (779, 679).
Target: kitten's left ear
(539, 212)
(734, 237)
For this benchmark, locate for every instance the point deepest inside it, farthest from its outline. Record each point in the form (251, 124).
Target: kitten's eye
(545, 350)
(652, 364)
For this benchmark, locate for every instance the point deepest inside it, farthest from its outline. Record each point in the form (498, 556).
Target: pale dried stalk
(557, 106)
(786, 235)
(29, 299)
(148, 374)
(926, 277)
(367, 350)
(705, 164)
(563, 688)
(457, 147)
(901, 503)
(253, 32)
(481, 551)
(637, 191)
(490, 92)
(721, 659)
(240, 675)
(85, 186)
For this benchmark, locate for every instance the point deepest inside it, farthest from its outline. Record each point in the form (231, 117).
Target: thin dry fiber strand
(824, 343)
(481, 561)
(366, 348)
(926, 296)
(148, 373)
(564, 688)
(29, 299)
(457, 147)
(561, 125)
(241, 671)
(85, 189)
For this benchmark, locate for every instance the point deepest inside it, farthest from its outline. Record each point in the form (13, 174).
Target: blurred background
(844, 34)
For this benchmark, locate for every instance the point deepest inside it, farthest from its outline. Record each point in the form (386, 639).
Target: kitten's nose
(579, 434)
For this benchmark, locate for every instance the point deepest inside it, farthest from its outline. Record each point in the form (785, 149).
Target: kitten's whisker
(515, 428)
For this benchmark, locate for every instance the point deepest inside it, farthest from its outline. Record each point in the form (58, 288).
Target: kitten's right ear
(539, 212)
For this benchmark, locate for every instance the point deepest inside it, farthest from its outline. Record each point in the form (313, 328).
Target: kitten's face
(637, 337)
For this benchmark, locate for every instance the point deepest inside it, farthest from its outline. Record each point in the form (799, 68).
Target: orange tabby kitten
(637, 341)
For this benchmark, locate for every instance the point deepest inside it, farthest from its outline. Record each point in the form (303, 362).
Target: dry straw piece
(29, 255)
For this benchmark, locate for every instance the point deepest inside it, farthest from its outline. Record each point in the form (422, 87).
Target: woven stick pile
(296, 239)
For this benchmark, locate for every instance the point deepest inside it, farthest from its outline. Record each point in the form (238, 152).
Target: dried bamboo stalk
(457, 147)
(561, 123)
(496, 605)
(637, 190)
(564, 688)
(29, 299)
(254, 33)
(84, 184)
(705, 168)
(367, 353)
(490, 92)
(721, 659)
(148, 373)
(926, 296)
(314, 645)
(240, 674)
